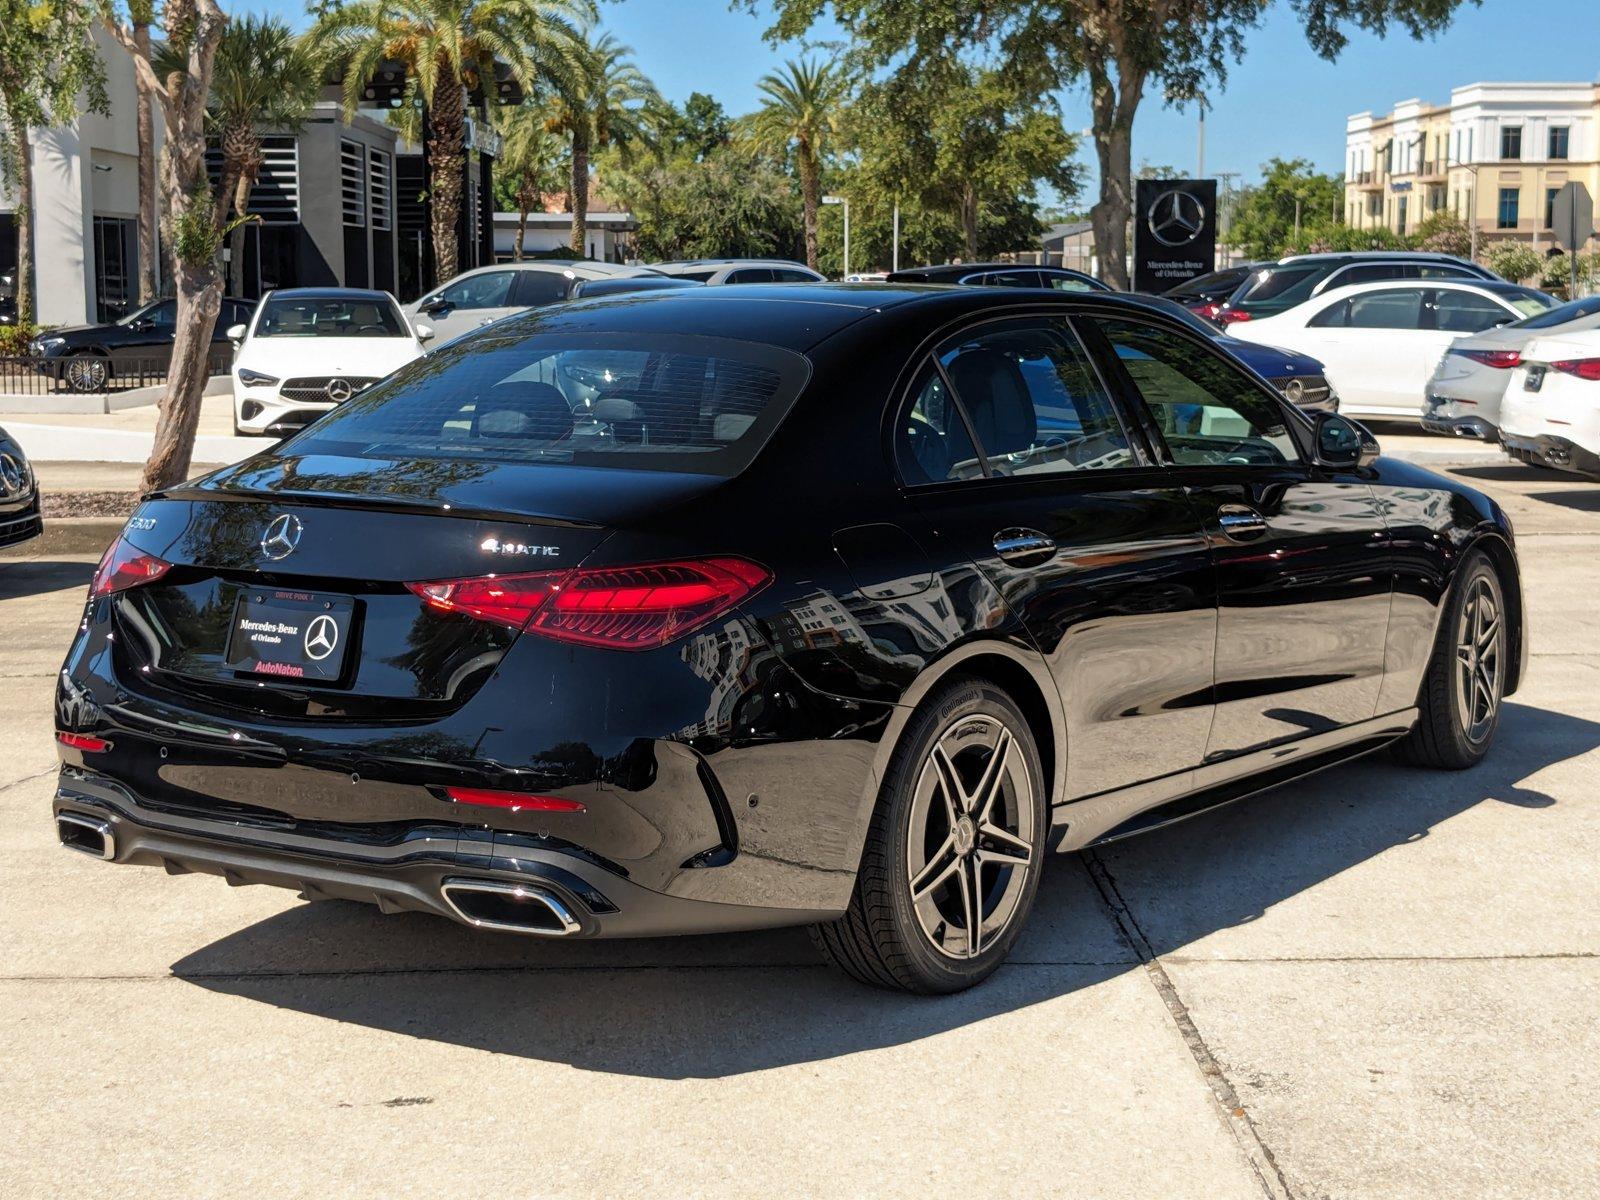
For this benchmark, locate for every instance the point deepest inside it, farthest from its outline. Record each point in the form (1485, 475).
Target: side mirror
(1342, 444)
(236, 334)
(142, 324)
(434, 307)
(424, 332)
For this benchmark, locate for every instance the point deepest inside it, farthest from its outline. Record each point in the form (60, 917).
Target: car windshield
(680, 402)
(1278, 283)
(330, 316)
(1526, 300)
(1573, 310)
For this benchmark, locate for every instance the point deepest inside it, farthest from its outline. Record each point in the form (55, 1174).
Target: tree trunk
(447, 164)
(241, 209)
(144, 123)
(969, 221)
(525, 196)
(1114, 106)
(22, 151)
(199, 292)
(810, 198)
(580, 192)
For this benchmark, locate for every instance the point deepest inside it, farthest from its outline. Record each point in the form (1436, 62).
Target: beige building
(1495, 155)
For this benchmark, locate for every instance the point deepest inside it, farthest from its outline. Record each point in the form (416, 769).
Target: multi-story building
(1496, 155)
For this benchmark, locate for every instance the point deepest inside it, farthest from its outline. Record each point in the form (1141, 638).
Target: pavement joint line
(1238, 1122)
(1554, 955)
(8, 785)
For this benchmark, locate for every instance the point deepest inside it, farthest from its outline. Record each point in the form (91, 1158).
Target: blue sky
(1282, 100)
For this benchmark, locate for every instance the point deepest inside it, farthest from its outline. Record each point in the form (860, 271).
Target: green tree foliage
(1511, 260)
(46, 62)
(1264, 216)
(801, 110)
(532, 163)
(1443, 233)
(1121, 48)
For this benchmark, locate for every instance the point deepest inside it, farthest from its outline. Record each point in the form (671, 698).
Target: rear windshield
(1573, 310)
(675, 403)
(1278, 283)
(307, 316)
(1208, 285)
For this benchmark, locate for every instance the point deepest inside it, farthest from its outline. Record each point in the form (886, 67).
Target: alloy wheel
(972, 843)
(1480, 643)
(86, 373)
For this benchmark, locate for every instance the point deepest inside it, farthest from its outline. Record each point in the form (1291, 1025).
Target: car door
(1379, 348)
(466, 303)
(1299, 551)
(1018, 459)
(143, 346)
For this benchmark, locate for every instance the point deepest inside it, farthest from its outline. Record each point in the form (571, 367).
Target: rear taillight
(1501, 360)
(619, 608)
(1231, 316)
(83, 742)
(1583, 368)
(122, 567)
(1211, 311)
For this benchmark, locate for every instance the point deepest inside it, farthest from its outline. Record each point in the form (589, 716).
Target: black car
(742, 607)
(1059, 279)
(1277, 287)
(1206, 294)
(8, 299)
(135, 347)
(20, 518)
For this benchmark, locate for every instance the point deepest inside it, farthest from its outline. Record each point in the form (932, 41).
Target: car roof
(327, 293)
(1334, 256)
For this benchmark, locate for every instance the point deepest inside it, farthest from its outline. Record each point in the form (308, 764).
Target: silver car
(713, 271)
(486, 294)
(1463, 397)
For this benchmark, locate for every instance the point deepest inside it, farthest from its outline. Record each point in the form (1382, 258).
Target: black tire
(882, 939)
(1447, 736)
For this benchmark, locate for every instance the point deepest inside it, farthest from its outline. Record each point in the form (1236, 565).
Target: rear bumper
(406, 872)
(1557, 452)
(1463, 427)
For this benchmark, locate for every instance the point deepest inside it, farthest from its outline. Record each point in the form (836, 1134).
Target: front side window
(1511, 141)
(344, 317)
(162, 315)
(1067, 283)
(1509, 202)
(1033, 399)
(1017, 279)
(1466, 312)
(1208, 411)
(750, 275)
(674, 403)
(1392, 308)
(1288, 284)
(489, 290)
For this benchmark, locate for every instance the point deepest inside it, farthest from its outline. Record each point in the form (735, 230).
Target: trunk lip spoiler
(191, 493)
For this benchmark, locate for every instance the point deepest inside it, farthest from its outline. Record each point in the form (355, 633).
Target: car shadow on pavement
(21, 577)
(704, 1007)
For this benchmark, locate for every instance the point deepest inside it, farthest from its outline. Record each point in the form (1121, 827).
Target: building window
(1511, 141)
(1509, 199)
(1550, 195)
(275, 195)
(1558, 141)
(353, 183)
(116, 259)
(1400, 206)
(378, 188)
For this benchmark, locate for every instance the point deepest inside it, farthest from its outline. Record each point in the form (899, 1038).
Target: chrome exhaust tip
(87, 835)
(509, 907)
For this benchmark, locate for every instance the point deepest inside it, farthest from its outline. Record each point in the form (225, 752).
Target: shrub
(1512, 260)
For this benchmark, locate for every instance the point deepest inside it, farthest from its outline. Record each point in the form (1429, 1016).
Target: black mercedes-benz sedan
(743, 607)
(20, 507)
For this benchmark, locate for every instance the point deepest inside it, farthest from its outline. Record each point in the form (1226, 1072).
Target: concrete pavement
(1376, 983)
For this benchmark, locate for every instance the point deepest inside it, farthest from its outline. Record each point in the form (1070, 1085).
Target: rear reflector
(1502, 360)
(618, 608)
(122, 567)
(82, 741)
(1583, 368)
(515, 801)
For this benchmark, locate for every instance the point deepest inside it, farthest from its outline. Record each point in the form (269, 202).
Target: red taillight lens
(1501, 360)
(639, 608)
(1231, 316)
(1583, 368)
(82, 741)
(506, 599)
(515, 801)
(122, 567)
(620, 608)
(1211, 311)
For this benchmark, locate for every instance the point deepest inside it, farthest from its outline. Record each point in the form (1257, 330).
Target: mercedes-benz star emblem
(1176, 218)
(339, 390)
(322, 635)
(1294, 390)
(281, 537)
(10, 476)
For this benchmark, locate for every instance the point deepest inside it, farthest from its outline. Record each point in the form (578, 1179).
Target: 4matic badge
(519, 549)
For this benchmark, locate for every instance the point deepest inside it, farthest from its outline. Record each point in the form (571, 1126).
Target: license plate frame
(293, 635)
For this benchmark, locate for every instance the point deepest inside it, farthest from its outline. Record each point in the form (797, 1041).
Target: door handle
(1024, 545)
(1241, 522)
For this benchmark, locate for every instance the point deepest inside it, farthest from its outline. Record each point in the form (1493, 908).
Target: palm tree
(804, 104)
(142, 15)
(264, 77)
(607, 101)
(450, 47)
(530, 153)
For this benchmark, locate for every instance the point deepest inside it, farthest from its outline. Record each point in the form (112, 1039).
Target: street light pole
(894, 253)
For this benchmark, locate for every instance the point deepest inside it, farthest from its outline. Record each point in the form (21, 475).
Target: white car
(1380, 342)
(486, 294)
(716, 271)
(1550, 412)
(306, 350)
(1463, 397)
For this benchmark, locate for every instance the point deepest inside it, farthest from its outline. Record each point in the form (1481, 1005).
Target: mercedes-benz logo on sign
(1176, 218)
(322, 635)
(282, 537)
(10, 476)
(339, 390)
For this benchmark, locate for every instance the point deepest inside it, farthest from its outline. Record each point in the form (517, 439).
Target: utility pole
(894, 254)
(1200, 156)
(1225, 213)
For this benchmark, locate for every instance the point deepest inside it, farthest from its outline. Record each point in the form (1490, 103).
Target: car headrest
(996, 396)
(522, 409)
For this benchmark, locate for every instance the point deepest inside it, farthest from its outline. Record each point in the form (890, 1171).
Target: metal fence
(31, 375)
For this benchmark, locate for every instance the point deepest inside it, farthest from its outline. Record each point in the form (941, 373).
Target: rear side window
(1279, 283)
(750, 275)
(679, 403)
(931, 441)
(1466, 312)
(533, 288)
(1395, 308)
(1372, 273)
(489, 290)
(1018, 279)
